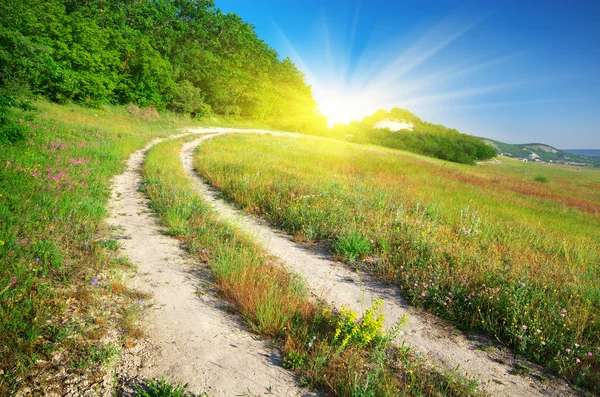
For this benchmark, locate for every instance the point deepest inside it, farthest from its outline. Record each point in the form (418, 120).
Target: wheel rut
(189, 337)
(443, 345)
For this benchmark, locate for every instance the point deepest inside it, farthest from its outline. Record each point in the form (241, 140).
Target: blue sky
(516, 71)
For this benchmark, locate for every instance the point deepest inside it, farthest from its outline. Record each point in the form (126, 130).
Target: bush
(541, 179)
(10, 130)
(189, 99)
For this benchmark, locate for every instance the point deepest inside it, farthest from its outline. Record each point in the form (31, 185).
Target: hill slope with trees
(425, 138)
(184, 55)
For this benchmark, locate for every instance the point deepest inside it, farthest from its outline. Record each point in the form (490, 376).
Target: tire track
(189, 337)
(441, 343)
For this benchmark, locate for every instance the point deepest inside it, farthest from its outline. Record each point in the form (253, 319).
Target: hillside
(539, 152)
(400, 129)
(182, 55)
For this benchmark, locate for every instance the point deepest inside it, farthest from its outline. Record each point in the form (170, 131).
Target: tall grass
(334, 351)
(485, 247)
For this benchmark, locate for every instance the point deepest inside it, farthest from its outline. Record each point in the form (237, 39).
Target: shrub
(541, 179)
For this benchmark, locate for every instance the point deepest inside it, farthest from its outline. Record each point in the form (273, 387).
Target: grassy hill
(509, 248)
(539, 152)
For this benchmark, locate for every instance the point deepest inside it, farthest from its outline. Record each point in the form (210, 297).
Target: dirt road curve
(188, 337)
(424, 332)
(191, 339)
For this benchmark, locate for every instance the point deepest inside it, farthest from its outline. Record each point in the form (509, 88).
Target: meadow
(507, 248)
(331, 350)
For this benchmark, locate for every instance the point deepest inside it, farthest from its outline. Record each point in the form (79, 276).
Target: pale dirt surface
(189, 337)
(443, 345)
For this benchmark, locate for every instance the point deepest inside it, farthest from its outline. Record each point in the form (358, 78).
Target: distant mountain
(539, 152)
(584, 152)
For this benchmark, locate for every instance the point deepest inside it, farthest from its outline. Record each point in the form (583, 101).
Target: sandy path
(424, 332)
(188, 337)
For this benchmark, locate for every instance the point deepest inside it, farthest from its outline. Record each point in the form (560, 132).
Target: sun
(343, 106)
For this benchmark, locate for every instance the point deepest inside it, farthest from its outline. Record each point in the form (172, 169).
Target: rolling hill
(540, 152)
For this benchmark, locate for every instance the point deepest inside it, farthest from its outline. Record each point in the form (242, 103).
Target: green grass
(59, 274)
(331, 350)
(486, 247)
(162, 388)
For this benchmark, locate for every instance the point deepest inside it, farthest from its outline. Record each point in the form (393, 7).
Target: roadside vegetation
(60, 289)
(486, 247)
(331, 350)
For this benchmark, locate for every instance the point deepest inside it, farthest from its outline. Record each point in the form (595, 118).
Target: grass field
(331, 350)
(508, 248)
(60, 287)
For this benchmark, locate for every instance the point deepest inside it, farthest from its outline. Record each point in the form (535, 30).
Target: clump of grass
(162, 388)
(541, 179)
(464, 242)
(352, 246)
(333, 350)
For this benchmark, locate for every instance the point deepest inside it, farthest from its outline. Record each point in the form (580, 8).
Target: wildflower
(66, 265)
(576, 345)
(520, 337)
(423, 293)
(568, 351)
(543, 342)
(37, 259)
(562, 314)
(315, 337)
(309, 345)
(140, 301)
(86, 243)
(538, 331)
(590, 354)
(95, 280)
(203, 250)
(577, 360)
(524, 327)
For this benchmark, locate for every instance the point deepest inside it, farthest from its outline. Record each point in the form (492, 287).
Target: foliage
(482, 246)
(185, 55)
(429, 139)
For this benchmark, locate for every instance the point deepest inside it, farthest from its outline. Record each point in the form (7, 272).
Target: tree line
(182, 55)
(425, 138)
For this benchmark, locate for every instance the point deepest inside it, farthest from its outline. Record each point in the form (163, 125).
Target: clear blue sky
(516, 71)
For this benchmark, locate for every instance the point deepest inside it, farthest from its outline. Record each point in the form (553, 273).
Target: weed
(162, 388)
(541, 179)
(352, 246)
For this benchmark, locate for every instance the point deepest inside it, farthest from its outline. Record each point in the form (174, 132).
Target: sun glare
(340, 106)
(383, 76)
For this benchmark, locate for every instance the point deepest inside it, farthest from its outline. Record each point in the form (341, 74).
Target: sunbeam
(356, 85)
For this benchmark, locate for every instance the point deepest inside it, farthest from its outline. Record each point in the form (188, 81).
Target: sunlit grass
(487, 246)
(334, 351)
